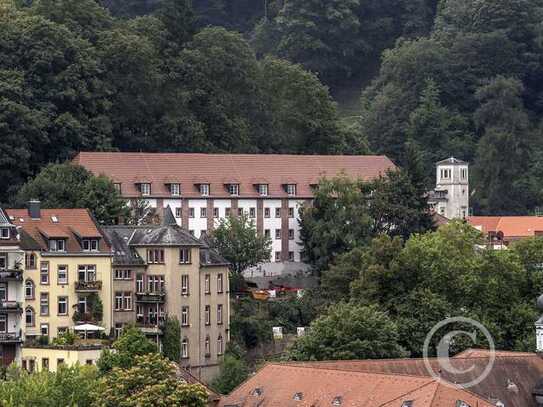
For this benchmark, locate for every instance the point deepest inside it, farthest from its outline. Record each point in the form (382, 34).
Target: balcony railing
(152, 297)
(10, 337)
(10, 306)
(88, 286)
(11, 275)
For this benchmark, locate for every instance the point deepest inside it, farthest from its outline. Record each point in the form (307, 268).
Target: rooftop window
(4, 233)
(298, 396)
(291, 189)
(233, 189)
(175, 189)
(145, 188)
(204, 189)
(337, 401)
(263, 189)
(90, 245)
(57, 245)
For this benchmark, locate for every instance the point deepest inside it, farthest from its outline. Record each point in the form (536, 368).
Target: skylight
(54, 219)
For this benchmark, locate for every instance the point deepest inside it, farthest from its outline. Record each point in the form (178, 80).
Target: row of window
(156, 256)
(228, 212)
(62, 308)
(155, 284)
(185, 315)
(278, 236)
(207, 347)
(233, 189)
(30, 364)
(85, 273)
(446, 173)
(279, 259)
(88, 245)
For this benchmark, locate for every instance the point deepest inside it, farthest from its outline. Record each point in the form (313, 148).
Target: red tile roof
(73, 224)
(220, 169)
(279, 383)
(523, 369)
(511, 226)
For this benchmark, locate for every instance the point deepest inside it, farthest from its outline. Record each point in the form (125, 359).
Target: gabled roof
(170, 235)
(510, 226)
(69, 224)
(216, 169)
(123, 254)
(210, 257)
(4, 219)
(277, 385)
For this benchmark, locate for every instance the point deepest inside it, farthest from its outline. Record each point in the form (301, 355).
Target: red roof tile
(278, 384)
(216, 169)
(72, 224)
(511, 226)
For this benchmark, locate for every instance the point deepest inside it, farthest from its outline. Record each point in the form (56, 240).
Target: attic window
(298, 396)
(258, 391)
(233, 189)
(57, 245)
(4, 233)
(337, 401)
(291, 189)
(145, 188)
(175, 189)
(263, 191)
(90, 245)
(460, 403)
(407, 403)
(204, 189)
(54, 219)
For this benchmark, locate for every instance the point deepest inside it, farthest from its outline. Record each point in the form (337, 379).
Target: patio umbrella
(88, 327)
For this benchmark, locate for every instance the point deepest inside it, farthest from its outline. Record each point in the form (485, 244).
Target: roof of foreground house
(74, 225)
(510, 226)
(511, 381)
(248, 170)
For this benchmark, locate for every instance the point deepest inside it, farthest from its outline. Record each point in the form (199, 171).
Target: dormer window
(57, 245)
(337, 401)
(204, 189)
(90, 245)
(263, 189)
(145, 188)
(407, 403)
(291, 189)
(298, 396)
(4, 233)
(175, 189)
(118, 187)
(233, 189)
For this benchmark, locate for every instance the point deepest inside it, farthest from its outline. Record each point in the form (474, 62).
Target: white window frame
(204, 189)
(291, 189)
(185, 348)
(145, 188)
(263, 189)
(184, 256)
(185, 284)
(175, 189)
(185, 316)
(207, 314)
(220, 283)
(29, 285)
(90, 245)
(207, 284)
(203, 212)
(62, 281)
(219, 314)
(220, 345)
(4, 233)
(233, 189)
(65, 302)
(178, 212)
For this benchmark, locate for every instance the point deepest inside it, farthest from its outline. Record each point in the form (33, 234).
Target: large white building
(202, 189)
(451, 195)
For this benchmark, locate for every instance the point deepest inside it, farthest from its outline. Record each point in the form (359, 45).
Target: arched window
(29, 289)
(185, 348)
(29, 316)
(220, 345)
(207, 346)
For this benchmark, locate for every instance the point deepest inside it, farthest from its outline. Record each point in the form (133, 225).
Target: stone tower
(451, 196)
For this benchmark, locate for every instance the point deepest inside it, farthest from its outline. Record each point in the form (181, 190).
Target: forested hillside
(456, 77)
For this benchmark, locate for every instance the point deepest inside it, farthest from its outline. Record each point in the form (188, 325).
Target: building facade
(161, 271)
(451, 195)
(11, 291)
(58, 270)
(202, 189)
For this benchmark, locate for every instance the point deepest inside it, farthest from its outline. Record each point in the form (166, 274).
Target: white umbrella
(88, 327)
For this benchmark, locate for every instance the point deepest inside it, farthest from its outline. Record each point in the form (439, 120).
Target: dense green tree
(171, 339)
(237, 240)
(302, 116)
(83, 17)
(69, 386)
(149, 381)
(504, 123)
(131, 343)
(179, 21)
(72, 186)
(233, 371)
(349, 331)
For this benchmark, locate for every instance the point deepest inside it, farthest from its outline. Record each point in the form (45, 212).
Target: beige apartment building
(68, 267)
(162, 270)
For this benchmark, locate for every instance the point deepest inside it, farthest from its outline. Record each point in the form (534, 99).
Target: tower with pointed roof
(451, 195)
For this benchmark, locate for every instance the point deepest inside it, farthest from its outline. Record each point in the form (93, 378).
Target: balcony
(88, 286)
(11, 337)
(150, 326)
(11, 275)
(151, 297)
(11, 306)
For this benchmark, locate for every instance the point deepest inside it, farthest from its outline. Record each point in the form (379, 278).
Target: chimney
(34, 209)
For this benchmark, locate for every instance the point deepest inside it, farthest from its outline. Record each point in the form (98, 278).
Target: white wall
(197, 224)
(272, 223)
